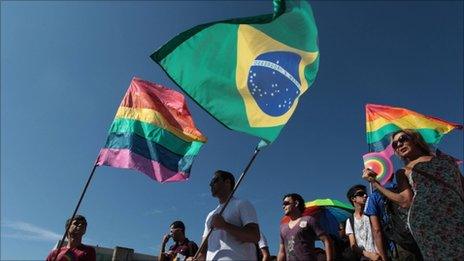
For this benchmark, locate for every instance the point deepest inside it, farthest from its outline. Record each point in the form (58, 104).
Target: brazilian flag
(248, 73)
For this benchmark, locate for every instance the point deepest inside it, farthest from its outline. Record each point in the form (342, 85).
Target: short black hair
(298, 198)
(353, 190)
(78, 218)
(225, 175)
(178, 224)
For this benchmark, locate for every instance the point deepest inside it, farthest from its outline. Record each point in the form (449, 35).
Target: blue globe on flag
(274, 82)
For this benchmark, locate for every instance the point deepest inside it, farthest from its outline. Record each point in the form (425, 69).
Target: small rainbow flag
(153, 132)
(382, 121)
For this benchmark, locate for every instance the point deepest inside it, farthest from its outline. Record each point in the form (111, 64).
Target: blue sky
(65, 67)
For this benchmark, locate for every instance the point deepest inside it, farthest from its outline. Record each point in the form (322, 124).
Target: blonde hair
(417, 139)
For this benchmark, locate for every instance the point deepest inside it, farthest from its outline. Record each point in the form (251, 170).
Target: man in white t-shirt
(236, 232)
(361, 240)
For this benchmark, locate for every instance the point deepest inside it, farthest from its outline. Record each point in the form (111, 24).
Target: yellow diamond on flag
(270, 76)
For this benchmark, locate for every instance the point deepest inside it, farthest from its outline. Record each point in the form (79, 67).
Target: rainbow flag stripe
(382, 121)
(153, 132)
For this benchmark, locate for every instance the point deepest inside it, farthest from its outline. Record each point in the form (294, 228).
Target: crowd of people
(419, 215)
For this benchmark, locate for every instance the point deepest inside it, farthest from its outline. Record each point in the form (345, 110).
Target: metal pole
(203, 243)
(75, 211)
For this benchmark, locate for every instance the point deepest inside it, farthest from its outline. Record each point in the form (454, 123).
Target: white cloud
(28, 231)
(160, 212)
(155, 212)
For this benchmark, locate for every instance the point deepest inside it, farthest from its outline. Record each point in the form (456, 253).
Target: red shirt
(80, 253)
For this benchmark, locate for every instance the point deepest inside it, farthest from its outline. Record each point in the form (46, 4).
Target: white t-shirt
(222, 245)
(262, 241)
(362, 233)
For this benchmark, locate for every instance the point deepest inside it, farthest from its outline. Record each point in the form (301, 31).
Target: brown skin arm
(266, 254)
(378, 236)
(353, 244)
(356, 249)
(163, 256)
(247, 233)
(403, 198)
(329, 247)
(281, 255)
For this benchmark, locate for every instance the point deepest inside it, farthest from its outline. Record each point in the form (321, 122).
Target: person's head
(77, 226)
(293, 204)
(341, 229)
(357, 195)
(222, 183)
(408, 144)
(177, 230)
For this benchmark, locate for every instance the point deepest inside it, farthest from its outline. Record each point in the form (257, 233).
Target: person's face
(402, 144)
(77, 228)
(217, 185)
(289, 205)
(341, 230)
(176, 233)
(360, 197)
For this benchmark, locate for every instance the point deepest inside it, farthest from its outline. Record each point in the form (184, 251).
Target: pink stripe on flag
(126, 159)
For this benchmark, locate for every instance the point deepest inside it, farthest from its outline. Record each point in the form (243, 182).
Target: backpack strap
(351, 219)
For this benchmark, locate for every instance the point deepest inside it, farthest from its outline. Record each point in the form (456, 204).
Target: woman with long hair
(430, 185)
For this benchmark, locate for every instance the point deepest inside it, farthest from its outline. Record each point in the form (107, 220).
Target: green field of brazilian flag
(248, 73)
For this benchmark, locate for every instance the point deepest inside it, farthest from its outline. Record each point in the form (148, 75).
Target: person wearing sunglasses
(358, 226)
(235, 232)
(297, 237)
(430, 185)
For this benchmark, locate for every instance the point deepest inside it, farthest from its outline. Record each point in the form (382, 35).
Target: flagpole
(75, 211)
(203, 243)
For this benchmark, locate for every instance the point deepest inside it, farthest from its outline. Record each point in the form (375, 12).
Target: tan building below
(118, 254)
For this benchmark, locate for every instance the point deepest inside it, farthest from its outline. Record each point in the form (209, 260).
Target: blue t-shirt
(375, 206)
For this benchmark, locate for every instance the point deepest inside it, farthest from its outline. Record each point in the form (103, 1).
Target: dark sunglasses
(360, 194)
(214, 180)
(402, 139)
(286, 203)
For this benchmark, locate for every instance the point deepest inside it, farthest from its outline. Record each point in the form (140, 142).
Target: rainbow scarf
(153, 132)
(382, 121)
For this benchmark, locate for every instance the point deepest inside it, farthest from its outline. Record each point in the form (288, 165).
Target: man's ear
(296, 204)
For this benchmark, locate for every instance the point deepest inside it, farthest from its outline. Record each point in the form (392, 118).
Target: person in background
(182, 247)
(375, 210)
(74, 250)
(342, 245)
(431, 186)
(358, 226)
(389, 227)
(298, 236)
(262, 249)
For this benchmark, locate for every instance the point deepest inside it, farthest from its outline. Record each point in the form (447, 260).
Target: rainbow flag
(382, 121)
(153, 132)
(248, 73)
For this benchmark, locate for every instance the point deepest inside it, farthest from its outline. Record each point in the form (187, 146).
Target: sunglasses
(402, 139)
(286, 203)
(360, 194)
(214, 180)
